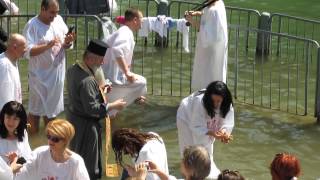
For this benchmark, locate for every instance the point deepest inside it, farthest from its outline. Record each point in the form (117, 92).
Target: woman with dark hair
(141, 147)
(205, 116)
(285, 167)
(13, 134)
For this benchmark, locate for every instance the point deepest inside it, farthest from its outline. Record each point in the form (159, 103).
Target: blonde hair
(61, 128)
(197, 160)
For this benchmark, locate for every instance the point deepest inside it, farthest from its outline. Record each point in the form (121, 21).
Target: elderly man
(47, 37)
(10, 85)
(87, 106)
(118, 59)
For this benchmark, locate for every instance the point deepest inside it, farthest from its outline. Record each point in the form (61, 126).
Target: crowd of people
(74, 148)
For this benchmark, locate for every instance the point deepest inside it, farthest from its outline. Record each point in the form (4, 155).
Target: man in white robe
(211, 54)
(10, 85)
(117, 62)
(47, 40)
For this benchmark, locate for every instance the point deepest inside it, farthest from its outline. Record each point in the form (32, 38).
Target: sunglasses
(54, 139)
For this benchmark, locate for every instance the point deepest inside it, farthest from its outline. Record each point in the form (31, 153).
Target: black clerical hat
(3, 7)
(97, 47)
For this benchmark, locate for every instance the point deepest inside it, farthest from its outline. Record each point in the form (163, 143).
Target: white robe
(155, 151)
(22, 149)
(5, 171)
(43, 167)
(193, 123)
(10, 85)
(211, 54)
(121, 44)
(46, 70)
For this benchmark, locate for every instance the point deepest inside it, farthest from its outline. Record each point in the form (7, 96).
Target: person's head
(59, 133)
(49, 10)
(195, 164)
(129, 141)
(94, 54)
(16, 46)
(284, 167)
(217, 96)
(13, 120)
(133, 18)
(230, 175)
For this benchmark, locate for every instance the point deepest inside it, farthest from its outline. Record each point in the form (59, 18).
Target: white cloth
(10, 85)
(5, 171)
(12, 7)
(22, 149)
(210, 62)
(47, 70)
(155, 151)
(184, 29)
(121, 44)
(43, 167)
(193, 123)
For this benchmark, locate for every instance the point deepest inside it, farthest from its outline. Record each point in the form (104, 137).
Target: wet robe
(211, 54)
(193, 122)
(121, 44)
(10, 85)
(47, 70)
(85, 110)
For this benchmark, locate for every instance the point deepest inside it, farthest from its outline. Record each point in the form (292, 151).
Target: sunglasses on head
(54, 139)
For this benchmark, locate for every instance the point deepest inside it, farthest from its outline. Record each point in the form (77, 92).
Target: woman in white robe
(211, 54)
(141, 147)
(205, 116)
(13, 134)
(55, 161)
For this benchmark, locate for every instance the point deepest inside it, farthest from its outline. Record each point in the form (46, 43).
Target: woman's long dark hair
(17, 109)
(221, 89)
(129, 141)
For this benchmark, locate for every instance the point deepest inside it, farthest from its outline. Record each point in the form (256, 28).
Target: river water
(258, 134)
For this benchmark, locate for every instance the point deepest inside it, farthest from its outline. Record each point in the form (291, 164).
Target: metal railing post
(317, 98)
(263, 40)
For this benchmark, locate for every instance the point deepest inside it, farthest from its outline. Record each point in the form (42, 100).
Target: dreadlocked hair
(129, 141)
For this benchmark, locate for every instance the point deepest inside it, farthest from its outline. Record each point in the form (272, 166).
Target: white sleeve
(147, 155)
(26, 146)
(228, 122)
(210, 31)
(29, 170)
(120, 47)
(198, 123)
(5, 170)
(80, 171)
(12, 7)
(29, 33)
(6, 86)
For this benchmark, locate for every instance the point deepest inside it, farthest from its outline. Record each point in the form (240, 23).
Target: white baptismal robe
(211, 54)
(193, 123)
(155, 151)
(22, 149)
(43, 167)
(46, 70)
(10, 85)
(5, 171)
(121, 44)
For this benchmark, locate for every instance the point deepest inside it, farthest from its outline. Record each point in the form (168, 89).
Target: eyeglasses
(54, 139)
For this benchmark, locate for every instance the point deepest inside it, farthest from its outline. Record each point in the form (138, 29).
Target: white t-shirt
(22, 149)
(43, 167)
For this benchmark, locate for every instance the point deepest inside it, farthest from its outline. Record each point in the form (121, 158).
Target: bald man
(10, 85)
(47, 38)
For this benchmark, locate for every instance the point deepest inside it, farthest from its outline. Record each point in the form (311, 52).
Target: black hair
(129, 141)
(221, 89)
(17, 109)
(46, 3)
(131, 13)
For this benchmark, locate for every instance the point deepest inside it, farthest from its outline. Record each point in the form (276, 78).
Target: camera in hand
(21, 160)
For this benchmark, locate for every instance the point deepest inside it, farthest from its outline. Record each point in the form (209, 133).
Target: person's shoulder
(4, 61)
(75, 158)
(41, 149)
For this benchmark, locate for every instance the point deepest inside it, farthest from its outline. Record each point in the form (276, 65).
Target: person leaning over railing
(55, 160)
